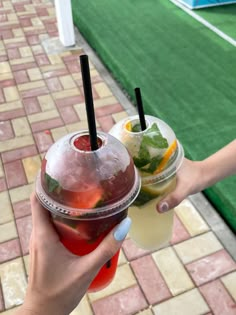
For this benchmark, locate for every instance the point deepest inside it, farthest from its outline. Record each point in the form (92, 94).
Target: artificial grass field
(187, 74)
(222, 17)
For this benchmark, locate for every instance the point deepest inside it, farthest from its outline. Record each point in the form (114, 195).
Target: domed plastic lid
(156, 151)
(78, 182)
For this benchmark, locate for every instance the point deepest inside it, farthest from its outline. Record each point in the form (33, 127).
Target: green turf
(223, 17)
(187, 73)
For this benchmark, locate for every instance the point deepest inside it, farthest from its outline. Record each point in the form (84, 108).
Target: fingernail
(122, 229)
(164, 207)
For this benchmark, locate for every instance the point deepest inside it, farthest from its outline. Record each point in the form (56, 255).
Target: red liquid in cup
(82, 237)
(82, 233)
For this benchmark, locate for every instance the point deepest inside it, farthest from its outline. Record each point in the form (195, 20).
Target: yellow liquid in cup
(150, 229)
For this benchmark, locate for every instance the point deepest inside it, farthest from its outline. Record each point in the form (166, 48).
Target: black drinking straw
(140, 108)
(84, 64)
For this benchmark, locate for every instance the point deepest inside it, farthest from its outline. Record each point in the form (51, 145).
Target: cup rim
(91, 213)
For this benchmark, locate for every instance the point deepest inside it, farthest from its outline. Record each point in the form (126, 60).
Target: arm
(219, 165)
(195, 176)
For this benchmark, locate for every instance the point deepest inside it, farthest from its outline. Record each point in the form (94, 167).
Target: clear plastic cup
(157, 154)
(87, 193)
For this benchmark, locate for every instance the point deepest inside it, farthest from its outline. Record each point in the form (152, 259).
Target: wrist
(39, 306)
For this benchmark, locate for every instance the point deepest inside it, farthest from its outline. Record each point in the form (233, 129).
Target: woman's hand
(58, 279)
(190, 180)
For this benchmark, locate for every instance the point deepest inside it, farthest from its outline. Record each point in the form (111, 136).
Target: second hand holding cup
(87, 181)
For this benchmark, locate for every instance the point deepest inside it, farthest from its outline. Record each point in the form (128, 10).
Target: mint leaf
(136, 128)
(155, 161)
(154, 138)
(51, 183)
(143, 156)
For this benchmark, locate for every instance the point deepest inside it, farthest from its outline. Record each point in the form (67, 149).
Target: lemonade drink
(88, 193)
(157, 154)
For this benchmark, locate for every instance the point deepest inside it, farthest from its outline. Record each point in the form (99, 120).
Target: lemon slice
(128, 126)
(166, 157)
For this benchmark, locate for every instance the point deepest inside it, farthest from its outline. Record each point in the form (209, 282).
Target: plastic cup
(87, 193)
(157, 154)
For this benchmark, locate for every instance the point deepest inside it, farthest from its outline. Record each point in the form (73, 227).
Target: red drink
(88, 193)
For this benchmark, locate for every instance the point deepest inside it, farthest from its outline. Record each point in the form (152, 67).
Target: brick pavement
(41, 99)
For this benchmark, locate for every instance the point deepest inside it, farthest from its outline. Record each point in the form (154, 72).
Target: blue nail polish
(122, 229)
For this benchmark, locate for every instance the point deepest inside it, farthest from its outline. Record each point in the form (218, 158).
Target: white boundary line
(207, 24)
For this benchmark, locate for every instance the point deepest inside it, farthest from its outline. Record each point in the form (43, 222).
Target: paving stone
(11, 93)
(190, 302)
(3, 185)
(65, 93)
(118, 116)
(229, 282)
(58, 133)
(150, 280)
(21, 76)
(11, 106)
(9, 250)
(25, 51)
(126, 302)
(20, 153)
(21, 61)
(198, 247)
(31, 85)
(122, 259)
(5, 67)
(15, 174)
(167, 262)
(46, 103)
(191, 219)
(21, 193)
(22, 208)
(124, 278)
(31, 166)
(179, 233)
(67, 82)
(106, 123)
(13, 282)
(211, 267)
(43, 116)
(219, 300)
(24, 227)
(21, 127)
(8, 231)
(54, 84)
(108, 110)
(31, 105)
(46, 124)
(6, 131)
(6, 208)
(43, 141)
(34, 92)
(132, 251)
(102, 89)
(68, 101)
(68, 114)
(12, 114)
(34, 74)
